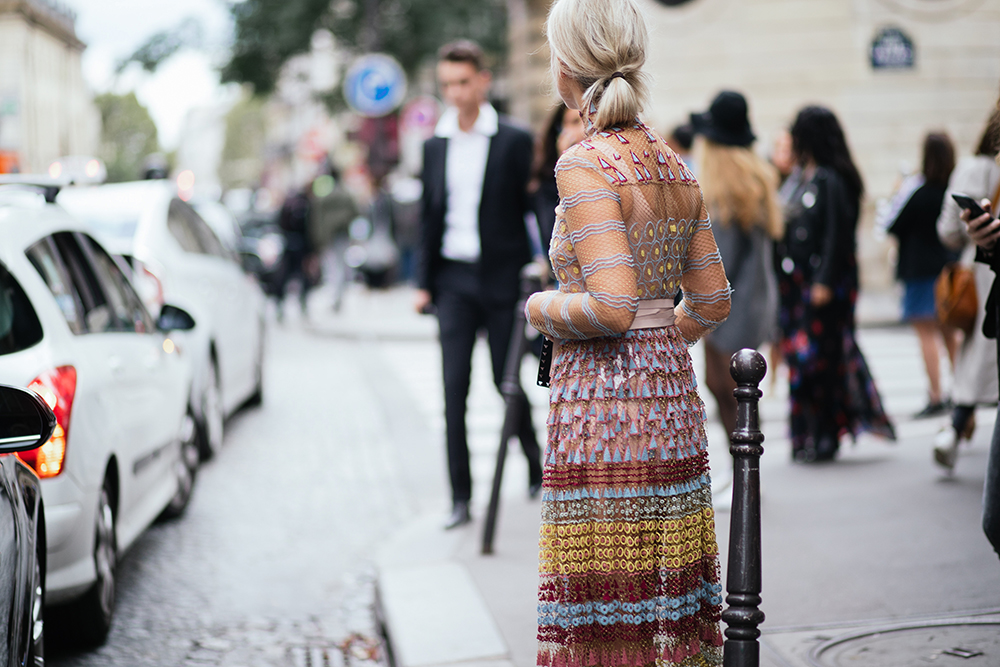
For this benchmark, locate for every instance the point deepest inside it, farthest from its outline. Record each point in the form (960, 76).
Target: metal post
(515, 400)
(743, 577)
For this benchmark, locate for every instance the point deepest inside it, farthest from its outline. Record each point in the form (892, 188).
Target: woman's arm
(593, 217)
(838, 231)
(971, 177)
(706, 289)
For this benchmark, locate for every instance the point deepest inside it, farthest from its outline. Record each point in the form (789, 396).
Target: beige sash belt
(654, 314)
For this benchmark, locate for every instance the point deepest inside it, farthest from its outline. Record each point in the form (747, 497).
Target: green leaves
(164, 44)
(128, 135)
(269, 32)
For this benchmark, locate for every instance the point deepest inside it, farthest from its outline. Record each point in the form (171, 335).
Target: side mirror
(173, 318)
(250, 261)
(26, 422)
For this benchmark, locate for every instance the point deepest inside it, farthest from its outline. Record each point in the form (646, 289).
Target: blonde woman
(628, 555)
(741, 193)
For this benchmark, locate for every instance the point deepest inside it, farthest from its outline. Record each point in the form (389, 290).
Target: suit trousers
(462, 314)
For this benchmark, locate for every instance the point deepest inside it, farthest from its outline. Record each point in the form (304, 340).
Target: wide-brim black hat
(726, 121)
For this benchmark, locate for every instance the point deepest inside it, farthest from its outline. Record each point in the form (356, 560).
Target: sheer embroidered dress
(627, 550)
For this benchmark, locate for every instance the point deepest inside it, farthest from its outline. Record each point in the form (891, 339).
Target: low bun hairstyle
(602, 45)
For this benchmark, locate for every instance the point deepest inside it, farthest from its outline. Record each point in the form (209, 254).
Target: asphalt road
(270, 564)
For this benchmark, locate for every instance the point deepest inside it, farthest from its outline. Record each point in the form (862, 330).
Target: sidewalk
(876, 559)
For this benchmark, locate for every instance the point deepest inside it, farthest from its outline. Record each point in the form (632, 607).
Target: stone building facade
(46, 110)
(892, 70)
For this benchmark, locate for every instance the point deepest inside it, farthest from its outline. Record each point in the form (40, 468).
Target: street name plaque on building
(892, 49)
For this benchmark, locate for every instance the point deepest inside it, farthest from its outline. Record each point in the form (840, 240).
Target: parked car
(26, 422)
(124, 450)
(146, 221)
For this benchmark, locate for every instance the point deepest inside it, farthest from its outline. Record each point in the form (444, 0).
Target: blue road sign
(375, 85)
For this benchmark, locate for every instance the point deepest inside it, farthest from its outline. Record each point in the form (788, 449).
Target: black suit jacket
(504, 202)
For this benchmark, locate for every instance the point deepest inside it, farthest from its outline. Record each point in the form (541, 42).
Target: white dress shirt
(465, 166)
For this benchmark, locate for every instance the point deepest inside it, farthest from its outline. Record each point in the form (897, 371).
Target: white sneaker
(946, 449)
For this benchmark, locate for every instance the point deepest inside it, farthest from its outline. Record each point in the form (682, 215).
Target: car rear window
(19, 325)
(46, 260)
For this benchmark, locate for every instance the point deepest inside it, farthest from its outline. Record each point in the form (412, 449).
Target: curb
(431, 611)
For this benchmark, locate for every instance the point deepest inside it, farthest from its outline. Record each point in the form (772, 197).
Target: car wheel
(210, 430)
(92, 617)
(187, 470)
(36, 651)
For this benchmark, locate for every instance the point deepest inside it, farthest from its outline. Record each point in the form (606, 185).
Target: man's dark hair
(462, 51)
(939, 158)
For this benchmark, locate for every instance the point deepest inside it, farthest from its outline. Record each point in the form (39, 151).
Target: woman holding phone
(984, 230)
(975, 377)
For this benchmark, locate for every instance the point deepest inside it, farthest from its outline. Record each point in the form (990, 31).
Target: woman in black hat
(740, 191)
(830, 389)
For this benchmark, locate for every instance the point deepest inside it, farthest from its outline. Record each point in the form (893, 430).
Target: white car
(123, 451)
(184, 260)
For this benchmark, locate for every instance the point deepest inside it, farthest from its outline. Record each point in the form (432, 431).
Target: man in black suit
(473, 245)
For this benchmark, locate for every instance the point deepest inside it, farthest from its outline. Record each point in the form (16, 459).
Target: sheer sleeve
(704, 284)
(971, 177)
(592, 213)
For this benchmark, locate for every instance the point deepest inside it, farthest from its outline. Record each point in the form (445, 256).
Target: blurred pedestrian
(974, 383)
(565, 130)
(831, 391)
(626, 466)
(298, 256)
(781, 155)
(920, 260)
(542, 186)
(332, 210)
(681, 141)
(984, 230)
(784, 161)
(741, 193)
(473, 245)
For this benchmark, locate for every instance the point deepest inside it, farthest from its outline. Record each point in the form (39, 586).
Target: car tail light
(57, 388)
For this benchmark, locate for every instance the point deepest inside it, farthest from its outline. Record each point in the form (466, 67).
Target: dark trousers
(991, 491)
(462, 314)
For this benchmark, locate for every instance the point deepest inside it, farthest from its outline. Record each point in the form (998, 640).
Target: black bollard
(743, 577)
(514, 397)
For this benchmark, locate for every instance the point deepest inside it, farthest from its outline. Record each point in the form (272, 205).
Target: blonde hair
(739, 186)
(594, 39)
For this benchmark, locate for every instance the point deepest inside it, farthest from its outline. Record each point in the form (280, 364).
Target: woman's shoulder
(972, 175)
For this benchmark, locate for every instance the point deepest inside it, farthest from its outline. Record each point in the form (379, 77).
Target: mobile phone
(967, 202)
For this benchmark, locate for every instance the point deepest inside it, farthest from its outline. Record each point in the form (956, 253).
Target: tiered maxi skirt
(629, 572)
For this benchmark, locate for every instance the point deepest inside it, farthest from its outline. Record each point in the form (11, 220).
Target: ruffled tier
(627, 551)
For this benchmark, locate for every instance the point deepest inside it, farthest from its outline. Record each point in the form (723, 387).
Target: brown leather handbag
(955, 297)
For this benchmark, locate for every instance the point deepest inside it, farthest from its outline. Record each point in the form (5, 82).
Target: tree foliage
(269, 32)
(128, 135)
(158, 48)
(246, 127)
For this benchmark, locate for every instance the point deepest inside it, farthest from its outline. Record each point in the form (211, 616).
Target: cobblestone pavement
(271, 563)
